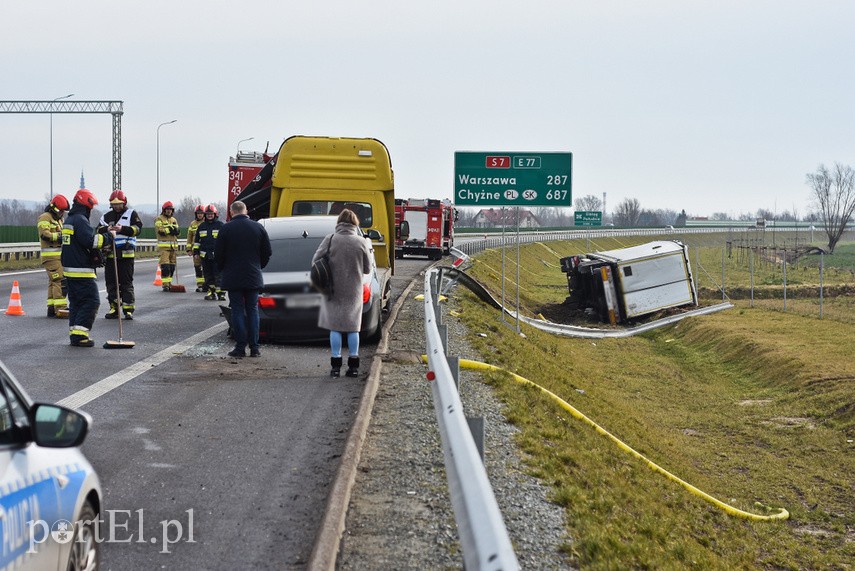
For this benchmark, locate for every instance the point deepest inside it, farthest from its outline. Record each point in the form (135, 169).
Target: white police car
(50, 496)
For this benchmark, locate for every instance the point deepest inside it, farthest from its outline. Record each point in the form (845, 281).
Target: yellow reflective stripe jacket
(50, 234)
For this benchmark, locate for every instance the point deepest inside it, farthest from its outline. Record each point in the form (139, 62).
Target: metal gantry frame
(48, 107)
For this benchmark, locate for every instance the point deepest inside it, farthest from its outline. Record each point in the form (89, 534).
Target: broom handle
(116, 275)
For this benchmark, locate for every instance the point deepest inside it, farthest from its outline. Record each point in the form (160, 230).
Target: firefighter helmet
(212, 208)
(167, 204)
(118, 197)
(85, 198)
(200, 208)
(59, 203)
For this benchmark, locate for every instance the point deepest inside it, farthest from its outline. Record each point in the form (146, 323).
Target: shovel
(120, 344)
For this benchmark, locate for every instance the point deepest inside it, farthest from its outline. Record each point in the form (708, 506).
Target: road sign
(512, 179)
(588, 218)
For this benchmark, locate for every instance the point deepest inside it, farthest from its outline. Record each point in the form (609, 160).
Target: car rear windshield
(292, 255)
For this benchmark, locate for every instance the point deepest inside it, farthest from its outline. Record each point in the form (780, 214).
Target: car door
(28, 492)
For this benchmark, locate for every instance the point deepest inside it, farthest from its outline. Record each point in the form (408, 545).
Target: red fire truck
(424, 227)
(249, 181)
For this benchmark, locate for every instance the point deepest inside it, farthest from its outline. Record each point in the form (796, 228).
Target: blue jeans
(352, 343)
(244, 306)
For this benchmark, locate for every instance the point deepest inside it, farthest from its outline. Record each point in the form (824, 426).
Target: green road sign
(512, 179)
(588, 218)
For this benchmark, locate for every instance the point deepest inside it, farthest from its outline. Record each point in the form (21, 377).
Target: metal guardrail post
(483, 536)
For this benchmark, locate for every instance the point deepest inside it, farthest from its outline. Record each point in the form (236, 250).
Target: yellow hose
(782, 514)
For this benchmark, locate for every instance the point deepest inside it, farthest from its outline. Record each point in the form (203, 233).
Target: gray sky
(705, 106)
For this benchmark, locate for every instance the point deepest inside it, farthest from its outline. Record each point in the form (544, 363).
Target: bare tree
(589, 203)
(628, 212)
(833, 192)
(186, 211)
(649, 218)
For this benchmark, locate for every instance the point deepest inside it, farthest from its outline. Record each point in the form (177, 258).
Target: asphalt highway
(206, 462)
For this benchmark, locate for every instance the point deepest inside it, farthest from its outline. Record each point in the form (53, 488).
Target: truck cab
(324, 175)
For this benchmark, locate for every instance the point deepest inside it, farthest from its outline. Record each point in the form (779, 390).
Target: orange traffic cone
(15, 307)
(157, 279)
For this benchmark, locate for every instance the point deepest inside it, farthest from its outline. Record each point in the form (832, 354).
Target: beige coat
(350, 259)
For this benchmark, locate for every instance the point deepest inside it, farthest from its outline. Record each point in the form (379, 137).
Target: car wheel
(85, 550)
(377, 333)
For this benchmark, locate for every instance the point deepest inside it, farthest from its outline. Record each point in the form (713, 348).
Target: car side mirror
(375, 235)
(404, 231)
(55, 426)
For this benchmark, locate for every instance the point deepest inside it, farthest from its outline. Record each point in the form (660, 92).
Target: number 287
(556, 180)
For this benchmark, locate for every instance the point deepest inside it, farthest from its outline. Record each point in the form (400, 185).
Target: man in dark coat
(242, 250)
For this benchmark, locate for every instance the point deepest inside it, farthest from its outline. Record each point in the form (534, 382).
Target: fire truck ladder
(112, 107)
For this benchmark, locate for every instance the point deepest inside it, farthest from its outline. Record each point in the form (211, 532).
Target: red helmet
(200, 208)
(118, 197)
(211, 208)
(167, 204)
(59, 202)
(85, 198)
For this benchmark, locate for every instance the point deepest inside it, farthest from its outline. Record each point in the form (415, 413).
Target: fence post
(722, 276)
(785, 281)
(751, 272)
(821, 268)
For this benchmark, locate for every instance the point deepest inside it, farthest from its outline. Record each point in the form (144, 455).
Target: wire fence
(789, 273)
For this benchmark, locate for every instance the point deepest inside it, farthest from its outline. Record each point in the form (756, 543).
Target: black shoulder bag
(321, 273)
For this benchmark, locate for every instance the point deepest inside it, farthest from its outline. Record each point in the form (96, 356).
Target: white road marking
(116, 380)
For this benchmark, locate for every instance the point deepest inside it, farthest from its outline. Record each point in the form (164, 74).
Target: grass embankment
(748, 405)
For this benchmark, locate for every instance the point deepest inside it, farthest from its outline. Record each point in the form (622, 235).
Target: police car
(50, 496)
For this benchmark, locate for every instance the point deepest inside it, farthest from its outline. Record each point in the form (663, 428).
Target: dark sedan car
(288, 307)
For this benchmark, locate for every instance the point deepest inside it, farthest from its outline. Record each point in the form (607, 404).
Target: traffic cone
(157, 278)
(15, 307)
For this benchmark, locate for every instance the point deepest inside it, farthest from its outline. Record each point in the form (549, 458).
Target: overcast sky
(708, 106)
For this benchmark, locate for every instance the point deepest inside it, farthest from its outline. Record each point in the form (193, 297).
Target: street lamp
(243, 141)
(51, 143)
(157, 200)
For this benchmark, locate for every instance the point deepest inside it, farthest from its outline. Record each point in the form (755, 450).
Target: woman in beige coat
(341, 312)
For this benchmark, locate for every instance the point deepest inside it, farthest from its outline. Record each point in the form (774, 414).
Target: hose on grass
(781, 515)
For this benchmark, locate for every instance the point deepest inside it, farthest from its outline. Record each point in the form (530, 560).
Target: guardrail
(483, 535)
(32, 250)
(495, 241)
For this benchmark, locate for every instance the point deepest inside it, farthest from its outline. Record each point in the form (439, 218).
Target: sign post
(500, 178)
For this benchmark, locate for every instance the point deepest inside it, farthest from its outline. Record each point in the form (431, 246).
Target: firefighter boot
(212, 294)
(335, 363)
(352, 367)
(221, 296)
(114, 311)
(51, 311)
(128, 311)
(81, 341)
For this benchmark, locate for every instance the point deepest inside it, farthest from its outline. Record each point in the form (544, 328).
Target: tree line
(17, 213)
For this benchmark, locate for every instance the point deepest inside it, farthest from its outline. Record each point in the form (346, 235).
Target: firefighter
(81, 254)
(126, 225)
(50, 236)
(206, 241)
(166, 228)
(191, 239)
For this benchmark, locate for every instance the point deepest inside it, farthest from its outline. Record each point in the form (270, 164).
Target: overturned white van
(623, 284)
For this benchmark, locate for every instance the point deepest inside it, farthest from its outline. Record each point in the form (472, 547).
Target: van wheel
(85, 550)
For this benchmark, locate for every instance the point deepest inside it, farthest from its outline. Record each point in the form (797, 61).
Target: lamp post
(157, 199)
(243, 141)
(51, 143)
